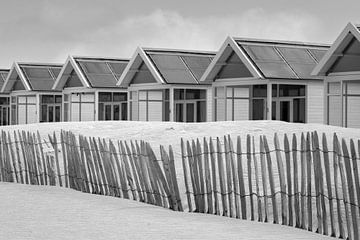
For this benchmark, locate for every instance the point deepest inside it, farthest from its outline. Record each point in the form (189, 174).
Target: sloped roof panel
(173, 68)
(102, 72)
(39, 76)
(290, 61)
(180, 67)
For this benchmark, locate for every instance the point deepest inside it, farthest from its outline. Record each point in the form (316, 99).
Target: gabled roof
(93, 72)
(340, 48)
(3, 75)
(265, 59)
(32, 76)
(167, 66)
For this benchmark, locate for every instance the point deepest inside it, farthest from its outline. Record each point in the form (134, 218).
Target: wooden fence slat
(13, 160)
(135, 168)
(271, 180)
(174, 179)
(33, 157)
(336, 155)
(196, 169)
(26, 168)
(214, 180)
(136, 159)
(235, 177)
(323, 226)
(118, 171)
(64, 155)
(79, 178)
(90, 160)
(228, 172)
(161, 179)
(54, 143)
(289, 182)
(260, 218)
(344, 185)
(100, 178)
(105, 156)
(166, 162)
(17, 150)
(38, 158)
(248, 155)
(91, 177)
(186, 172)
(303, 164)
(264, 178)
(308, 174)
(222, 178)
(351, 191)
(328, 183)
(193, 177)
(129, 176)
(149, 196)
(296, 181)
(41, 149)
(208, 177)
(152, 175)
(282, 179)
(199, 159)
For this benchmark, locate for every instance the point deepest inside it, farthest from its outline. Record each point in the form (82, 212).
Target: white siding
(31, 114)
(21, 114)
(142, 111)
(241, 109)
(334, 110)
(87, 112)
(89, 97)
(75, 109)
(155, 111)
(353, 112)
(155, 95)
(315, 102)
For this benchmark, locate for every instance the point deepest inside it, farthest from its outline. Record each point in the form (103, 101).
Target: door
(108, 112)
(179, 112)
(186, 112)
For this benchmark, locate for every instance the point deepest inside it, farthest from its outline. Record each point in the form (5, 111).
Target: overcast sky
(50, 30)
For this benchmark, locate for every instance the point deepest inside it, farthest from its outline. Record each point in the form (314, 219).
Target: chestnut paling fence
(300, 181)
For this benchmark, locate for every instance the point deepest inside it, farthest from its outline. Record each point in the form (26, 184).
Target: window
(112, 106)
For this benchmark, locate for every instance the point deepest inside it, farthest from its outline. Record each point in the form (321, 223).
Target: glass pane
(190, 112)
(285, 111)
(166, 111)
(51, 114)
(105, 97)
(291, 90)
(101, 111)
(179, 94)
(258, 109)
(116, 112)
(47, 99)
(44, 113)
(66, 112)
(107, 112)
(299, 110)
(58, 99)
(55, 71)
(179, 112)
(201, 111)
(13, 115)
(259, 91)
(317, 53)
(57, 113)
(120, 97)
(195, 94)
(273, 110)
(124, 110)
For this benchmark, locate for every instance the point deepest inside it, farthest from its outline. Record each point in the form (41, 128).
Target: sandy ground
(38, 212)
